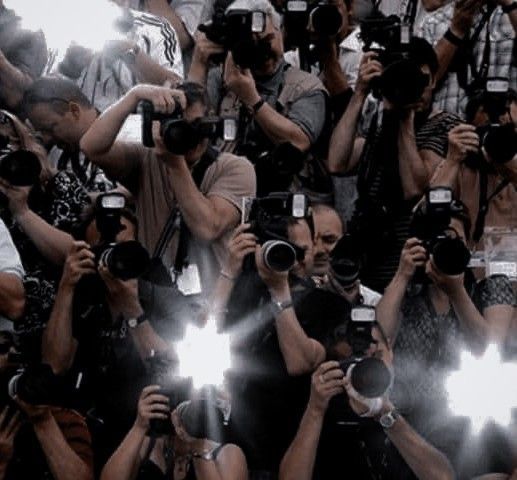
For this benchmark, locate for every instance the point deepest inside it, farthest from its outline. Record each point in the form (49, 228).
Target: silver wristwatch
(207, 455)
(278, 307)
(388, 419)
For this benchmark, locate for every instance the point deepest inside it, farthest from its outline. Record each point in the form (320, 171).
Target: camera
(431, 224)
(200, 413)
(369, 376)
(345, 261)
(402, 82)
(180, 136)
(268, 217)
(21, 168)
(124, 260)
(319, 16)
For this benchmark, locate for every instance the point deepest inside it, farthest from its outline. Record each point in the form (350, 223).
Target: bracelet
(509, 8)
(255, 108)
(227, 276)
(453, 38)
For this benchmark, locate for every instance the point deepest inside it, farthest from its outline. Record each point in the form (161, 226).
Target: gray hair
(260, 6)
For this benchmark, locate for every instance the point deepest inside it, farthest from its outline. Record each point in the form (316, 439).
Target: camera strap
(484, 202)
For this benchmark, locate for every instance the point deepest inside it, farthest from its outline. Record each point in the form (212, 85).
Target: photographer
(42, 210)
(395, 158)
(275, 103)
(39, 441)
(200, 458)
(473, 40)
(430, 311)
(23, 55)
(162, 182)
(378, 441)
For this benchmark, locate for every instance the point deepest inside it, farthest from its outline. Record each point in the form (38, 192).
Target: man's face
(193, 112)
(63, 130)
(300, 235)
(329, 230)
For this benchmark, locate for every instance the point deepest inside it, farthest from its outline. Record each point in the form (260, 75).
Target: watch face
(387, 420)
(132, 322)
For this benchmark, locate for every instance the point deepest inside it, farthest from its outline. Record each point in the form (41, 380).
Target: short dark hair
(195, 93)
(478, 99)
(55, 92)
(421, 51)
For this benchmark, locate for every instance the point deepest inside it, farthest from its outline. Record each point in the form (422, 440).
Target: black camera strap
(410, 15)
(484, 202)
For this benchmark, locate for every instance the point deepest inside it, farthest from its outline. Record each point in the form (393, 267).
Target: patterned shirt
(451, 97)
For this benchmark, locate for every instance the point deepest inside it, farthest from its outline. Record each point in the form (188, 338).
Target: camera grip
(146, 109)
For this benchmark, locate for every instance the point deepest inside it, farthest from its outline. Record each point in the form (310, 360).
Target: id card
(189, 280)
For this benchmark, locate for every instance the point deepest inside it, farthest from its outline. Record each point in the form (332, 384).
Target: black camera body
(402, 82)
(180, 136)
(124, 260)
(431, 223)
(369, 375)
(345, 260)
(21, 168)
(268, 218)
(235, 31)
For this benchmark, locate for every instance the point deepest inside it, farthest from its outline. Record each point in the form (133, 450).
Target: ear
(75, 109)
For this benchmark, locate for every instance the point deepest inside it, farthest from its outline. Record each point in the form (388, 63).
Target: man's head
(329, 229)
(59, 111)
(128, 232)
(423, 53)
(268, 45)
(299, 233)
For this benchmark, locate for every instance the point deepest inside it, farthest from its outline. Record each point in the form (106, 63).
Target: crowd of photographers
(319, 180)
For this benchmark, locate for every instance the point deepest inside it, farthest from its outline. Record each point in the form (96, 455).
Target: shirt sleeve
(308, 112)
(494, 290)
(10, 261)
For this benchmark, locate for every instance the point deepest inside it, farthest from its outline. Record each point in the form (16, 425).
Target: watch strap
(453, 38)
(133, 322)
(255, 108)
(388, 419)
(278, 307)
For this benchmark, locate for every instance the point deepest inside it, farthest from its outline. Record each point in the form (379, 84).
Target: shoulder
(230, 162)
(302, 81)
(230, 173)
(494, 290)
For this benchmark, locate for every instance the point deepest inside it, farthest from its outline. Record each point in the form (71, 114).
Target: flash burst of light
(204, 354)
(86, 23)
(483, 389)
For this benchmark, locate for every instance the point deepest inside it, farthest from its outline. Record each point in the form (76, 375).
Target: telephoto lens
(278, 255)
(325, 19)
(450, 255)
(125, 260)
(369, 376)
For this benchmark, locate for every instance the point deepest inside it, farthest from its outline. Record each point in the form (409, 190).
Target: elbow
(300, 140)
(299, 367)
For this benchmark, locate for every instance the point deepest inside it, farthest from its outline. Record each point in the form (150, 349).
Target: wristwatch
(133, 322)
(207, 455)
(388, 419)
(278, 307)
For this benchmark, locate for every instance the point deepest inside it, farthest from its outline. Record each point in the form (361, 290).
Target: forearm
(125, 462)
(52, 243)
(298, 462)
(445, 51)
(198, 72)
(149, 71)
(12, 296)
(280, 129)
(473, 324)
(301, 353)
(446, 174)
(58, 344)
(161, 8)
(13, 82)
(413, 171)
(63, 462)
(101, 135)
(342, 140)
(197, 211)
(146, 339)
(426, 462)
(333, 77)
(388, 308)
(207, 470)
(220, 296)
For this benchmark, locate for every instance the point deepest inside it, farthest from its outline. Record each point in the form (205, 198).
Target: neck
(267, 70)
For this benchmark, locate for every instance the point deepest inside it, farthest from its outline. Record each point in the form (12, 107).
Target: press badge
(189, 281)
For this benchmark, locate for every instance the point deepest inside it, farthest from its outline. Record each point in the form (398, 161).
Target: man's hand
(369, 68)
(463, 16)
(462, 140)
(163, 99)
(413, 255)
(277, 282)
(123, 295)
(17, 196)
(450, 284)
(35, 413)
(327, 381)
(152, 404)
(9, 426)
(241, 82)
(80, 261)
(205, 49)
(241, 244)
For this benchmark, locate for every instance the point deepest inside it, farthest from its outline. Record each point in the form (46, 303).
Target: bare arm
(12, 295)
(13, 82)
(147, 70)
(229, 465)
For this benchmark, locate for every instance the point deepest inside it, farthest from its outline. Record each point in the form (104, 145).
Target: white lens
(440, 196)
(363, 314)
(297, 6)
(299, 205)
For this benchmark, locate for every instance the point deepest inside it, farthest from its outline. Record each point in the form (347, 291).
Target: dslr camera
(21, 168)
(402, 82)
(200, 413)
(268, 217)
(124, 260)
(180, 136)
(318, 16)
(345, 261)
(235, 31)
(431, 224)
(369, 376)
(498, 140)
